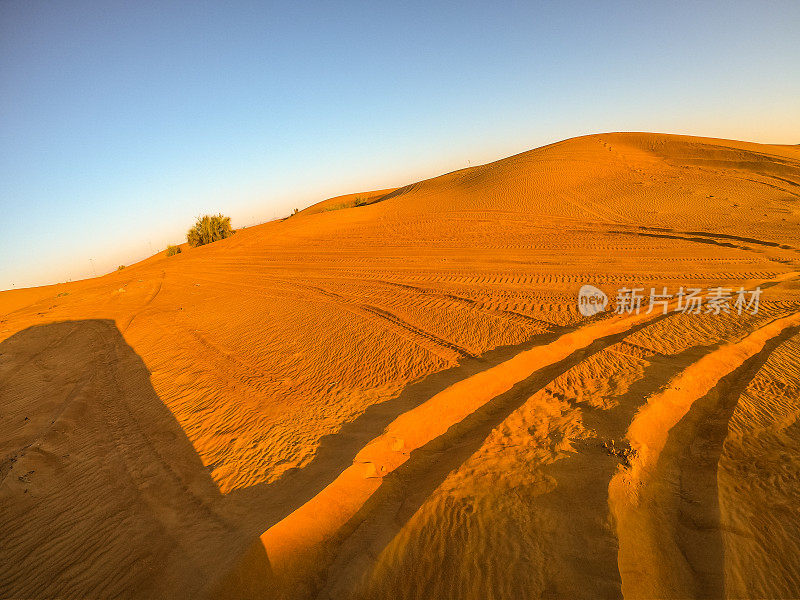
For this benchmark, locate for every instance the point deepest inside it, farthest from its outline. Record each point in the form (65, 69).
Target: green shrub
(173, 250)
(119, 268)
(209, 228)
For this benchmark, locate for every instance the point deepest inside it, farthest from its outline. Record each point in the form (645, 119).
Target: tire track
(475, 304)
(426, 340)
(107, 467)
(654, 560)
(124, 426)
(450, 425)
(395, 320)
(725, 236)
(697, 442)
(149, 300)
(460, 415)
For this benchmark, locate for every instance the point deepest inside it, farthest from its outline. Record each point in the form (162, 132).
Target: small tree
(209, 228)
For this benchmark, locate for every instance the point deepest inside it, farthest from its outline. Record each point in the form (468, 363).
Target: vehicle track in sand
(260, 378)
(394, 474)
(665, 502)
(94, 450)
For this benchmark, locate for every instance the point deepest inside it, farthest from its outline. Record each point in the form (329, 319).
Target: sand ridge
(212, 397)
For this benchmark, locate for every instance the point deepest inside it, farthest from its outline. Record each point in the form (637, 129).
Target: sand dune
(393, 394)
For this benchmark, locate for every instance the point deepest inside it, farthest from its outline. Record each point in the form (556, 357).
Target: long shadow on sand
(579, 502)
(404, 491)
(693, 451)
(101, 492)
(277, 499)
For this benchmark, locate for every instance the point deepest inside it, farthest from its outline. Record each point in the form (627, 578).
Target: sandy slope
(400, 399)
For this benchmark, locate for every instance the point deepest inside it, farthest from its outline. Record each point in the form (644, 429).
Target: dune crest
(394, 394)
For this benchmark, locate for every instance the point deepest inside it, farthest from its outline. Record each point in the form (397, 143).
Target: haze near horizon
(122, 123)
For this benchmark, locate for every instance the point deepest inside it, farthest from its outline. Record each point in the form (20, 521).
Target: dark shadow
(405, 490)
(724, 236)
(579, 501)
(336, 452)
(97, 475)
(101, 492)
(693, 450)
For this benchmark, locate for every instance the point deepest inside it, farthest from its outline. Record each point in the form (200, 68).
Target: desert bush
(119, 268)
(209, 228)
(173, 250)
(361, 201)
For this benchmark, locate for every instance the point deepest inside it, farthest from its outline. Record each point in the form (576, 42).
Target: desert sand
(392, 394)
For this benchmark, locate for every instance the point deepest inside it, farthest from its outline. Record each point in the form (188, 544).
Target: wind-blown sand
(393, 395)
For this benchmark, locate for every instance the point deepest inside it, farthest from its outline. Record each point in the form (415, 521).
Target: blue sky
(122, 121)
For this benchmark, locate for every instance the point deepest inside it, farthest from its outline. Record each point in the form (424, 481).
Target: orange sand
(400, 398)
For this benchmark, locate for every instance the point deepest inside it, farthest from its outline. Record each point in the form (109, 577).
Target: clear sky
(122, 121)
